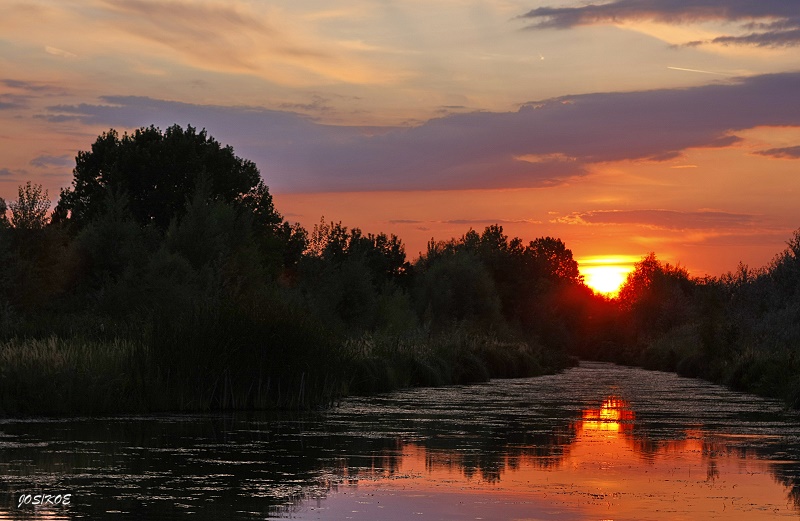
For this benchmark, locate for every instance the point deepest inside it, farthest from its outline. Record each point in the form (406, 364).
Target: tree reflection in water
(603, 460)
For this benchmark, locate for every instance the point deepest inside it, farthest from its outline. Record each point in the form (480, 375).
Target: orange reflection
(614, 414)
(599, 468)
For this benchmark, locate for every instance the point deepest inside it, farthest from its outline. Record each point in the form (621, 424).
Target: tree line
(165, 279)
(741, 329)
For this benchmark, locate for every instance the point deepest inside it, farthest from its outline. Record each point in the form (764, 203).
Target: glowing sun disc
(605, 274)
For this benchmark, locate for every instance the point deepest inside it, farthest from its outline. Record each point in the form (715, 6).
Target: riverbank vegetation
(741, 329)
(165, 279)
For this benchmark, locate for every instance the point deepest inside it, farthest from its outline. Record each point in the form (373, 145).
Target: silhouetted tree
(5, 260)
(640, 280)
(458, 288)
(158, 171)
(539, 287)
(37, 263)
(355, 279)
(784, 271)
(384, 255)
(554, 259)
(113, 252)
(29, 211)
(656, 297)
(3, 218)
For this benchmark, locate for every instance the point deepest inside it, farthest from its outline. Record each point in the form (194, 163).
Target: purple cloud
(781, 30)
(30, 86)
(318, 104)
(782, 153)
(664, 219)
(466, 221)
(48, 161)
(542, 144)
(13, 101)
(767, 39)
(405, 221)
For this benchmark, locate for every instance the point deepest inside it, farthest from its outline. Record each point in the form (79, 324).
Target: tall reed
(76, 375)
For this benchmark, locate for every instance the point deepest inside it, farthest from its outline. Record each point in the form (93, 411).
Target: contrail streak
(698, 70)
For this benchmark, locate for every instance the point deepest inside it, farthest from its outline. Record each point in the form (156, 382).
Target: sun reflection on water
(614, 414)
(605, 467)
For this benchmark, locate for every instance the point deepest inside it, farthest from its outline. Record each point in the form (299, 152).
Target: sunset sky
(622, 127)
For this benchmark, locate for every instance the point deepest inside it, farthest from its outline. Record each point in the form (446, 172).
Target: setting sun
(606, 274)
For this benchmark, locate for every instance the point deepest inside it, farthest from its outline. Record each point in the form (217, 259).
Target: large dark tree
(554, 260)
(157, 171)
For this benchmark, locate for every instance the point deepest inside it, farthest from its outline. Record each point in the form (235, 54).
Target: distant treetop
(29, 211)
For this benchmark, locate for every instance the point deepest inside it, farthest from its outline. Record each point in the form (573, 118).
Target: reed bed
(383, 363)
(217, 358)
(54, 375)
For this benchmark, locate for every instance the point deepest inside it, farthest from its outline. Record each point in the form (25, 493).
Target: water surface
(596, 442)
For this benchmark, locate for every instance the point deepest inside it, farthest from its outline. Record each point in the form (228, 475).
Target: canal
(598, 441)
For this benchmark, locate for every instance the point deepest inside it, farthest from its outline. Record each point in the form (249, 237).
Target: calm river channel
(598, 442)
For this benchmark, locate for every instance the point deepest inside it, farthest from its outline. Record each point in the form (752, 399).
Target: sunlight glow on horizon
(605, 275)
